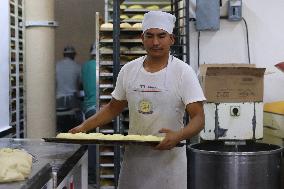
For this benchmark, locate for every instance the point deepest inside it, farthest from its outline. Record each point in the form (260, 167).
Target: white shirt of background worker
(157, 89)
(67, 73)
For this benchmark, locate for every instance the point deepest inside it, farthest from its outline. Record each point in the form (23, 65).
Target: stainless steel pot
(214, 165)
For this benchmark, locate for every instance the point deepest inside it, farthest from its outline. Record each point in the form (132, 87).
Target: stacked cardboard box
(232, 82)
(273, 122)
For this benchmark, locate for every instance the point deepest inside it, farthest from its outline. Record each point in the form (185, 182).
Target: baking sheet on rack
(105, 142)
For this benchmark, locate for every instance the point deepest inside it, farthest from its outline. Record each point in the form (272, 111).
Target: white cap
(160, 20)
(93, 49)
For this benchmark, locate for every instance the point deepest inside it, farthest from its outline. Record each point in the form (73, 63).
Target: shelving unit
(120, 43)
(17, 110)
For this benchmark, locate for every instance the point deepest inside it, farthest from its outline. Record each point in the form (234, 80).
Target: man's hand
(104, 116)
(78, 129)
(171, 139)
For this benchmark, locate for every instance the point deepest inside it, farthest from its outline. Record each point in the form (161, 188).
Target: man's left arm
(196, 124)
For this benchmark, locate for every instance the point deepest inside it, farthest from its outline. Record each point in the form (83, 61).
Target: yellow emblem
(145, 107)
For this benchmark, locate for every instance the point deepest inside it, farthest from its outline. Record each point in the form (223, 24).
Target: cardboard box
(273, 121)
(272, 136)
(232, 82)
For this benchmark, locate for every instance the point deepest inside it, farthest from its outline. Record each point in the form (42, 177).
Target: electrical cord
(247, 37)
(247, 41)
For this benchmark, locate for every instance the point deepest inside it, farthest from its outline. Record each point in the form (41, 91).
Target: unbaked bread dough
(15, 165)
(125, 25)
(135, 7)
(123, 49)
(100, 136)
(153, 7)
(106, 50)
(138, 17)
(137, 26)
(167, 8)
(107, 26)
(124, 16)
(122, 6)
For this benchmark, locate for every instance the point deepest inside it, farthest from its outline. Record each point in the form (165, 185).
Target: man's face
(157, 42)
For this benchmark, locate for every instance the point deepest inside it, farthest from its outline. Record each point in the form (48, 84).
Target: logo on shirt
(145, 107)
(147, 89)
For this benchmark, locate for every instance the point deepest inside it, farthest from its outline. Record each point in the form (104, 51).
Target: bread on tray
(101, 136)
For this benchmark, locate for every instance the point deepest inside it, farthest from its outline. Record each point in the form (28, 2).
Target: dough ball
(135, 7)
(124, 16)
(153, 7)
(138, 17)
(137, 26)
(122, 6)
(15, 165)
(167, 8)
(107, 26)
(125, 25)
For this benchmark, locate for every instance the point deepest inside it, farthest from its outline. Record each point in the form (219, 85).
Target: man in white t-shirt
(157, 89)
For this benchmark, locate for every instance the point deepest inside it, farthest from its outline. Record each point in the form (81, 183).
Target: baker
(157, 88)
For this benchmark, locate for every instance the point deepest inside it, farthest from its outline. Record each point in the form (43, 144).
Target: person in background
(88, 74)
(157, 88)
(67, 88)
(89, 84)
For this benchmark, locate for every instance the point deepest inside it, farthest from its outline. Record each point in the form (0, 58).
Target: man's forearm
(101, 118)
(192, 128)
(105, 115)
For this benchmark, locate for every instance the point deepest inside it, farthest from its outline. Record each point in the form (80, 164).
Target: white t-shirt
(67, 77)
(183, 80)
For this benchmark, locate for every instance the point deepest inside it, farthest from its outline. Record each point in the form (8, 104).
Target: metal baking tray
(105, 142)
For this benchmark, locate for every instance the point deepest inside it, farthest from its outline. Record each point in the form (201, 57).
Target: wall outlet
(235, 10)
(235, 110)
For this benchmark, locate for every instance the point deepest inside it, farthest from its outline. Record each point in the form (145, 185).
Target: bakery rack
(16, 54)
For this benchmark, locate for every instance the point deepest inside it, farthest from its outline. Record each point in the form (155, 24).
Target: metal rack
(180, 49)
(105, 154)
(112, 155)
(17, 110)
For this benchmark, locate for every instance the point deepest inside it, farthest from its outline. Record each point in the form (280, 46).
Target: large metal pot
(214, 165)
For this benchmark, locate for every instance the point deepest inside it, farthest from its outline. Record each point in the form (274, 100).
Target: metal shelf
(146, 3)
(106, 63)
(107, 187)
(133, 52)
(122, 29)
(107, 176)
(17, 74)
(130, 21)
(106, 165)
(106, 153)
(107, 131)
(106, 85)
(125, 119)
(105, 97)
(106, 74)
(106, 52)
(141, 10)
(126, 53)
(122, 40)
